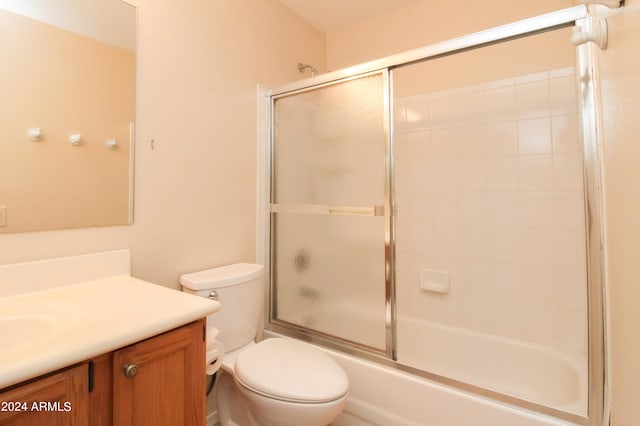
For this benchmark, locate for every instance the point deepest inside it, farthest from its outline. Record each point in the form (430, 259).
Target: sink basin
(25, 326)
(18, 332)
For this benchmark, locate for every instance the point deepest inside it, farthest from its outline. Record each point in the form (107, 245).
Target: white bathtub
(514, 367)
(381, 395)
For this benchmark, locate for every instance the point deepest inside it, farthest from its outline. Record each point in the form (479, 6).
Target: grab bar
(327, 209)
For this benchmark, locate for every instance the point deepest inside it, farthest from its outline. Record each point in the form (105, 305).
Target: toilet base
(231, 411)
(238, 406)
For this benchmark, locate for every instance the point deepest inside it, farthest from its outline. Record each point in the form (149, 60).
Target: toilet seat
(292, 371)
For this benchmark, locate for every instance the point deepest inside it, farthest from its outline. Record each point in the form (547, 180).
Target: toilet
(274, 382)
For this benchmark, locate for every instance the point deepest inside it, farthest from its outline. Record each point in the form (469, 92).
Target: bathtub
(514, 367)
(383, 395)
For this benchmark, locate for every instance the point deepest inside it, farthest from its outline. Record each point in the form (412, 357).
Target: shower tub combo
(423, 218)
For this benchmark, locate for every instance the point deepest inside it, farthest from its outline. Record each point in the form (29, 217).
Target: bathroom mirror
(66, 113)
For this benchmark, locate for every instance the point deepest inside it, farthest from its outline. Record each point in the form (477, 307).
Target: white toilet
(276, 382)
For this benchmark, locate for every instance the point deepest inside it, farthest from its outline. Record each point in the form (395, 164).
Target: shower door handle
(362, 211)
(326, 209)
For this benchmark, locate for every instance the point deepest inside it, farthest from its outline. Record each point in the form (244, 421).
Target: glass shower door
(329, 229)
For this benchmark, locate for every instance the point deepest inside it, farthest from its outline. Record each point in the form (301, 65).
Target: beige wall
(63, 83)
(198, 66)
(424, 22)
(620, 79)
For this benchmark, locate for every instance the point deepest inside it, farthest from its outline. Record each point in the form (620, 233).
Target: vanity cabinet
(58, 399)
(159, 381)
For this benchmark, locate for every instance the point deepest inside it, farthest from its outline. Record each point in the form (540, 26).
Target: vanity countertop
(47, 330)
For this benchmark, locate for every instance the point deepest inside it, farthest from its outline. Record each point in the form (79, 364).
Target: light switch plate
(3, 215)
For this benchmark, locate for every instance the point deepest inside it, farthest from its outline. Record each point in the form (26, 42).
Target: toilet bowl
(275, 382)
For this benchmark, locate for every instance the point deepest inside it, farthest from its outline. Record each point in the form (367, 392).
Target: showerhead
(306, 67)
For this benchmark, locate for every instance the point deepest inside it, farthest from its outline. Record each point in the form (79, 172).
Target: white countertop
(73, 323)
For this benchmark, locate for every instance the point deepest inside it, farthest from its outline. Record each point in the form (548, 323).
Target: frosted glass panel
(330, 275)
(330, 145)
(328, 240)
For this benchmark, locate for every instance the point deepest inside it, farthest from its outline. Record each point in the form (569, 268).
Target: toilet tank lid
(223, 276)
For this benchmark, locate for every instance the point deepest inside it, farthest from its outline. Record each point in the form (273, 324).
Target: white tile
(423, 204)
(439, 309)
(506, 282)
(567, 249)
(442, 176)
(565, 133)
(567, 172)
(446, 240)
(419, 146)
(401, 147)
(403, 177)
(414, 208)
(499, 83)
(425, 240)
(474, 276)
(540, 325)
(473, 313)
(473, 209)
(541, 286)
(474, 243)
(445, 208)
(444, 111)
(532, 99)
(473, 175)
(471, 142)
(505, 319)
(423, 176)
(535, 247)
(536, 173)
(534, 136)
(570, 211)
(572, 331)
(502, 174)
(399, 114)
(471, 108)
(557, 248)
(407, 235)
(562, 72)
(504, 245)
(573, 289)
(418, 114)
(538, 210)
(504, 210)
(502, 139)
(443, 145)
(562, 95)
(405, 207)
(531, 78)
(500, 104)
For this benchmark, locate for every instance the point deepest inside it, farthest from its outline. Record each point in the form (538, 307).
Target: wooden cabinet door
(168, 388)
(60, 399)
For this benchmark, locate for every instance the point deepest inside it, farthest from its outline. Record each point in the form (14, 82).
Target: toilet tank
(240, 290)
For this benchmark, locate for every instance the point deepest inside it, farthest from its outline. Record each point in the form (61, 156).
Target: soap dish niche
(433, 281)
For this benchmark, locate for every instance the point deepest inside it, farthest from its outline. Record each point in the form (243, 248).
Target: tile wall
(489, 188)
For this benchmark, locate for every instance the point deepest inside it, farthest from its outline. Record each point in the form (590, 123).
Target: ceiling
(327, 15)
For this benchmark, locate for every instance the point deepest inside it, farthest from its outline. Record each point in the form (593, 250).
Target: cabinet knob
(130, 370)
